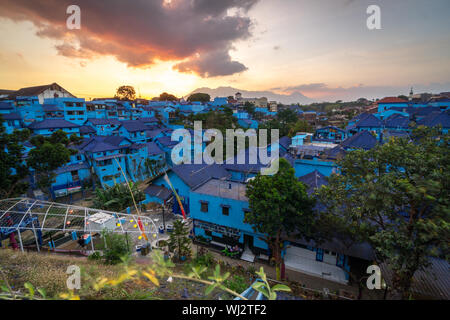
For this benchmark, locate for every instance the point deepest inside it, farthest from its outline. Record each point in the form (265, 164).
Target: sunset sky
(320, 48)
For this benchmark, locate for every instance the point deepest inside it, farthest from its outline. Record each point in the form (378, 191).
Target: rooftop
(392, 100)
(223, 189)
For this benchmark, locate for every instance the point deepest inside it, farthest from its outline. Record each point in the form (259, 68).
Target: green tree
(300, 126)
(279, 206)
(125, 93)
(396, 197)
(167, 97)
(117, 197)
(49, 154)
(116, 247)
(287, 116)
(200, 97)
(13, 170)
(179, 241)
(249, 108)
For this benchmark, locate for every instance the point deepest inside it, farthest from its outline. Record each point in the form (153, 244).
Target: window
(204, 206)
(226, 210)
(208, 233)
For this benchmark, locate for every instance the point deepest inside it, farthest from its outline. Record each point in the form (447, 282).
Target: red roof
(392, 100)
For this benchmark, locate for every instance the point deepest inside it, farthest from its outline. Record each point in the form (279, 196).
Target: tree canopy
(13, 169)
(125, 93)
(49, 154)
(396, 197)
(200, 97)
(279, 206)
(167, 97)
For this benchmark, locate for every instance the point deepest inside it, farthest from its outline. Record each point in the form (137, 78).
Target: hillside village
(114, 141)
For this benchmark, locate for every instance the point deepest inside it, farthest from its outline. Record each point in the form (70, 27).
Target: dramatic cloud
(197, 33)
(212, 64)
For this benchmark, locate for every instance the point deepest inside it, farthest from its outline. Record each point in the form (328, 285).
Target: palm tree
(117, 197)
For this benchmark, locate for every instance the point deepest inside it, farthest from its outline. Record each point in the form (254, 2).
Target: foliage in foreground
(159, 270)
(396, 197)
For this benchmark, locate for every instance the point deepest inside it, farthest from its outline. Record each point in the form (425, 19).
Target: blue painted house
(217, 209)
(135, 130)
(330, 134)
(48, 126)
(103, 126)
(12, 121)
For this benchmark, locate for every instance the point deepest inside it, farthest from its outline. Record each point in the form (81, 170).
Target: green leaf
(281, 287)
(210, 289)
(30, 288)
(42, 293)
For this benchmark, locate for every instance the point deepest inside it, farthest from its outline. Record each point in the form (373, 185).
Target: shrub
(237, 284)
(117, 248)
(179, 241)
(95, 256)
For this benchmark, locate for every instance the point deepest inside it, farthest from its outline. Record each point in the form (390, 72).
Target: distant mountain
(295, 97)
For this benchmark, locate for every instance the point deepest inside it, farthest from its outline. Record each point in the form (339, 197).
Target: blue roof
(359, 117)
(285, 142)
(11, 116)
(247, 166)
(87, 129)
(159, 192)
(361, 140)
(134, 125)
(194, 175)
(103, 143)
(167, 141)
(148, 119)
(52, 124)
(369, 121)
(153, 133)
(153, 149)
(424, 111)
(396, 121)
(314, 180)
(98, 122)
(436, 119)
(72, 167)
(6, 106)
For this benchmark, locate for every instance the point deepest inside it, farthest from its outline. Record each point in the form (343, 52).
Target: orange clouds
(198, 33)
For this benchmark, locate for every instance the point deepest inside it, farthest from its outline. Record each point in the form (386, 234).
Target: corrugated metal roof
(313, 180)
(52, 124)
(433, 282)
(361, 140)
(159, 192)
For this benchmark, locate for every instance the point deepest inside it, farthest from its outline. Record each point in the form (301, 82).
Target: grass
(48, 272)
